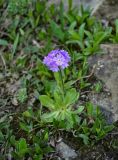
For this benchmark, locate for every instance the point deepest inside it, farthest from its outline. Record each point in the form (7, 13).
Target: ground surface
(25, 38)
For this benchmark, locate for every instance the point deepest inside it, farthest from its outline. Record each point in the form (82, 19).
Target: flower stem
(62, 82)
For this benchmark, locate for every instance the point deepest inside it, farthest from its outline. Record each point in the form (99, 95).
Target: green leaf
(90, 36)
(79, 110)
(47, 102)
(116, 25)
(57, 31)
(90, 109)
(100, 36)
(22, 144)
(75, 42)
(27, 114)
(108, 128)
(12, 140)
(22, 147)
(22, 32)
(74, 35)
(81, 32)
(69, 84)
(49, 117)
(15, 44)
(70, 3)
(1, 137)
(25, 127)
(3, 42)
(63, 115)
(71, 96)
(46, 136)
(58, 98)
(85, 138)
(3, 119)
(72, 26)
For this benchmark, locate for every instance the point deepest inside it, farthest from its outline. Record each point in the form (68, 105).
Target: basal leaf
(47, 102)
(49, 117)
(71, 96)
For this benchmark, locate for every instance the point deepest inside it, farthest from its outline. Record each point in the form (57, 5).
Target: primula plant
(61, 105)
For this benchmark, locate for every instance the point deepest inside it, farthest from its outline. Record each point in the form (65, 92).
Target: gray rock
(106, 70)
(105, 103)
(65, 151)
(104, 9)
(85, 3)
(107, 9)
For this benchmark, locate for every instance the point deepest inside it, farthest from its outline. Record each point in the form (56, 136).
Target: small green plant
(94, 39)
(114, 144)
(21, 148)
(98, 87)
(22, 95)
(94, 126)
(37, 148)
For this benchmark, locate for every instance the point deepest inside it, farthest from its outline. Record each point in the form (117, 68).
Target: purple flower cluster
(56, 60)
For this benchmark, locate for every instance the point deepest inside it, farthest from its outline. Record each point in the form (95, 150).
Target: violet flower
(56, 60)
